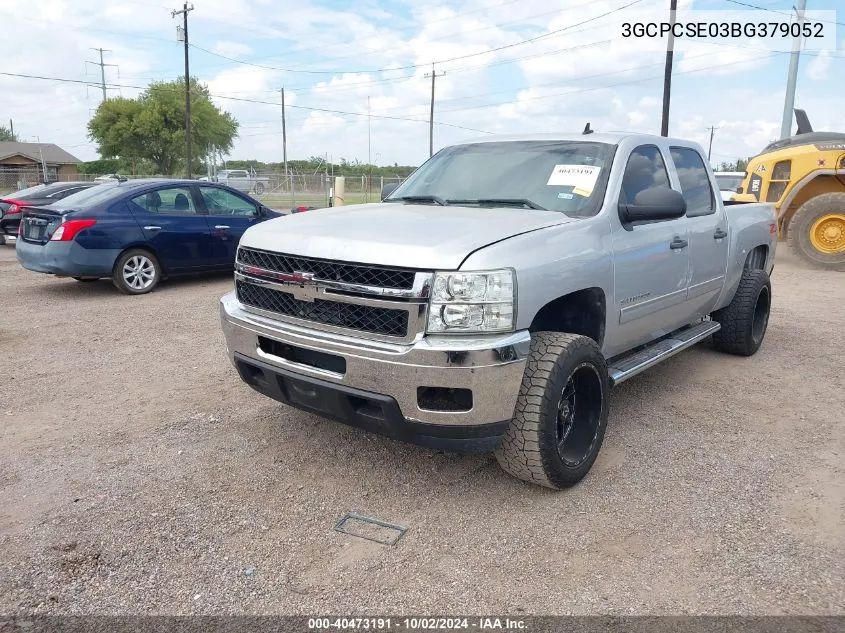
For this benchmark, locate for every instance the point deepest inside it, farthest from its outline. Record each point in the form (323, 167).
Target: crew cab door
(707, 225)
(651, 260)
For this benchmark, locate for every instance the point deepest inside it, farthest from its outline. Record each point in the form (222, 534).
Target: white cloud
(820, 65)
(556, 83)
(232, 49)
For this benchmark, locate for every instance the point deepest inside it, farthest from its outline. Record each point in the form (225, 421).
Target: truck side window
(645, 169)
(695, 184)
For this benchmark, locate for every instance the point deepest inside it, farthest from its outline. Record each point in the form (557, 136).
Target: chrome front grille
(342, 272)
(384, 321)
(379, 303)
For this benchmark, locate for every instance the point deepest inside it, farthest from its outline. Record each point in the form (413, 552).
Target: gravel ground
(139, 475)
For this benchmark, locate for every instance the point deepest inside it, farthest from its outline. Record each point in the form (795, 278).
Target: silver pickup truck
(491, 301)
(242, 179)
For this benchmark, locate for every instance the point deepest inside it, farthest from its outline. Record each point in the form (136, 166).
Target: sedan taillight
(68, 229)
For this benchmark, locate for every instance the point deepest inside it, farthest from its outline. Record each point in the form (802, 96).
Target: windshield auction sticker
(582, 178)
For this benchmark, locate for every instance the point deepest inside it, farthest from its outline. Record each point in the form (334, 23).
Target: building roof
(52, 152)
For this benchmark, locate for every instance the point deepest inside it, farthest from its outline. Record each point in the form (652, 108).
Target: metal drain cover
(369, 528)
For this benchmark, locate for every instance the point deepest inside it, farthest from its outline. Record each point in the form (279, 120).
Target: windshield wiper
(434, 199)
(509, 202)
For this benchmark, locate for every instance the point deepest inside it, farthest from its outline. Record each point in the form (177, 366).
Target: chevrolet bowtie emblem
(296, 277)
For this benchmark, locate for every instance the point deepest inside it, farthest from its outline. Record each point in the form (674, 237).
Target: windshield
(728, 183)
(91, 195)
(565, 176)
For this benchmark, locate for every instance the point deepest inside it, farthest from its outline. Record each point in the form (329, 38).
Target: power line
(624, 83)
(754, 6)
(297, 51)
(405, 46)
(461, 69)
(257, 101)
(442, 61)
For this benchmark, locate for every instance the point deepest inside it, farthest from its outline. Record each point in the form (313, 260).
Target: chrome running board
(625, 367)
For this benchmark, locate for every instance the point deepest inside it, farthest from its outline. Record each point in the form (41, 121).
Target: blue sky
(334, 58)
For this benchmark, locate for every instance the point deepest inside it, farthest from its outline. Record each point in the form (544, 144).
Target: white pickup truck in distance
(491, 301)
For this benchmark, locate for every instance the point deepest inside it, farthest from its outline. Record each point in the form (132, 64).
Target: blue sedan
(138, 232)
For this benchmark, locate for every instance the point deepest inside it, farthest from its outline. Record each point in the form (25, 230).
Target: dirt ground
(139, 475)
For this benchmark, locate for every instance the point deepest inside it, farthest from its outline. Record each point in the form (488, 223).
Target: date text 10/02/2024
(416, 624)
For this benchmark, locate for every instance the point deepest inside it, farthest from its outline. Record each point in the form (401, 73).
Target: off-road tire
(117, 272)
(745, 319)
(798, 231)
(259, 188)
(529, 450)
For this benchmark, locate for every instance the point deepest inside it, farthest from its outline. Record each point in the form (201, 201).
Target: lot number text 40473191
(417, 624)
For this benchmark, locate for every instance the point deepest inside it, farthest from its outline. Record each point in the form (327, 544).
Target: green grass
(286, 201)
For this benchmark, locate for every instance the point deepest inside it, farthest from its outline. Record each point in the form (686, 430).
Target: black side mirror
(388, 189)
(656, 203)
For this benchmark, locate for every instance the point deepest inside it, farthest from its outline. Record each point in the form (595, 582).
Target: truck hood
(393, 234)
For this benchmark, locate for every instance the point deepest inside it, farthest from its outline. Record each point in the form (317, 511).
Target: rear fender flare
(783, 208)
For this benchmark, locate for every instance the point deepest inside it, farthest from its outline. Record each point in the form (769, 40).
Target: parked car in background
(242, 180)
(728, 182)
(138, 232)
(14, 203)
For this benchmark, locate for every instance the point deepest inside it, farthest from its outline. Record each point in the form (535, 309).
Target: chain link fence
(275, 189)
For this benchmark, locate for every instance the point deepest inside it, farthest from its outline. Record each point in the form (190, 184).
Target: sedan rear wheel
(136, 272)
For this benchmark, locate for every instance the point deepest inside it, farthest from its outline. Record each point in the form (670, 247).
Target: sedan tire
(136, 272)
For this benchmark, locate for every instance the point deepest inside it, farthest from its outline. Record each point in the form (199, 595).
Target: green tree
(152, 127)
(739, 165)
(6, 134)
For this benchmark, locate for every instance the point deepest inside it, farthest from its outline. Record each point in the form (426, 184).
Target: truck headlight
(472, 302)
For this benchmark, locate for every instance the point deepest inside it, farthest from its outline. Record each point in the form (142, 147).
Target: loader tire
(561, 412)
(745, 319)
(817, 231)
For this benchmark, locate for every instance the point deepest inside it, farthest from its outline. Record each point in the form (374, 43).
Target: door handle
(678, 243)
(221, 226)
(719, 234)
(152, 228)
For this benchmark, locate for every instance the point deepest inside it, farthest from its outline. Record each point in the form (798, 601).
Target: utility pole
(284, 139)
(369, 152)
(433, 74)
(102, 66)
(41, 153)
(184, 37)
(11, 127)
(667, 72)
(710, 149)
(792, 78)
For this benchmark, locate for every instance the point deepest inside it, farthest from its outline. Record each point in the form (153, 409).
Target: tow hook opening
(444, 399)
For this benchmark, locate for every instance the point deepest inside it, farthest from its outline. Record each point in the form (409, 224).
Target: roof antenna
(587, 129)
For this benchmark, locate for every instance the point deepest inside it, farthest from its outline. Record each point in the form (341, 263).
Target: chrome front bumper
(490, 366)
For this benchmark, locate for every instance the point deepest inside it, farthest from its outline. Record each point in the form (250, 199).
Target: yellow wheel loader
(804, 176)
